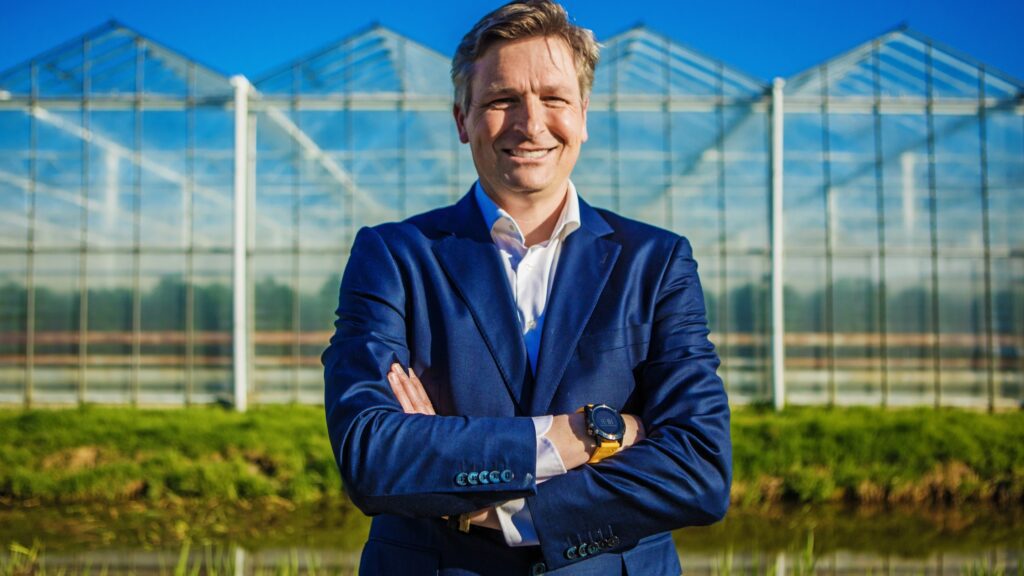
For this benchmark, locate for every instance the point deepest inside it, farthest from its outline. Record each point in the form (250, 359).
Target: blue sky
(763, 39)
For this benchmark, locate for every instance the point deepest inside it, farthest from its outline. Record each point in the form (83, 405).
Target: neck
(536, 215)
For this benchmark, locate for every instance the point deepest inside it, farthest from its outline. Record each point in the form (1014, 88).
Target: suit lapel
(584, 266)
(473, 265)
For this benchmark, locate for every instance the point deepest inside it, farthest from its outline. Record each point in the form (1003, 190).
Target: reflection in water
(325, 538)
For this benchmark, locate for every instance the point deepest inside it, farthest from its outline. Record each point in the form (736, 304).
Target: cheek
(568, 128)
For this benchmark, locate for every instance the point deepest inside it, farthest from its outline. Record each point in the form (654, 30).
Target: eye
(500, 103)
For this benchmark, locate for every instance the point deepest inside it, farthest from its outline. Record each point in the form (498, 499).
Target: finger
(409, 389)
(420, 394)
(399, 391)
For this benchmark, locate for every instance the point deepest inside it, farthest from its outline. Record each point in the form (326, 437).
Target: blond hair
(518, 20)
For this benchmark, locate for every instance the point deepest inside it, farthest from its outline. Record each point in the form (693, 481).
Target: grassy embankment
(97, 454)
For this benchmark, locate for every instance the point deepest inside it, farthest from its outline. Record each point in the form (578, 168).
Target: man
(521, 383)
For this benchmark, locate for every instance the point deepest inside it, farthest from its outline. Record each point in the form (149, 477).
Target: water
(325, 538)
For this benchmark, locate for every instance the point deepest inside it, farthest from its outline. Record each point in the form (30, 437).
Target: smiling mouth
(527, 154)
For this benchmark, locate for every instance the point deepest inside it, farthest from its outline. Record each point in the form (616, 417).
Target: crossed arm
(568, 432)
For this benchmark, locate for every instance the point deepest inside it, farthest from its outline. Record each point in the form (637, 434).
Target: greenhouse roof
(640, 61)
(903, 64)
(112, 60)
(374, 60)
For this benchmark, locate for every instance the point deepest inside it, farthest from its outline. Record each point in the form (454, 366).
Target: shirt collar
(568, 220)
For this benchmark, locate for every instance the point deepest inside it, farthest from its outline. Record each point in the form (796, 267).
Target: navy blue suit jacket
(625, 326)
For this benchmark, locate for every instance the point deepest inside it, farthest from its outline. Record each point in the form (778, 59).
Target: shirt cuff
(549, 461)
(517, 523)
(514, 515)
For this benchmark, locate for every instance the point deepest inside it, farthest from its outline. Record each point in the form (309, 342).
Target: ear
(586, 104)
(460, 123)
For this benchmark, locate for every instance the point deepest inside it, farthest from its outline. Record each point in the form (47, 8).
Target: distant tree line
(746, 310)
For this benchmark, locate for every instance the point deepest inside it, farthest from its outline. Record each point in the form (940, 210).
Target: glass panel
(1008, 332)
(164, 73)
(376, 166)
(905, 181)
(963, 357)
(854, 209)
(274, 336)
(14, 175)
(803, 180)
(911, 370)
(112, 175)
(110, 335)
(643, 166)
(711, 281)
(1005, 153)
(320, 276)
(58, 179)
(325, 202)
(958, 182)
(114, 68)
(594, 171)
(162, 372)
(277, 182)
(57, 302)
(746, 178)
(857, 342)
(430, 140)
(13, 310)
(214, 171)
(747, 366)
(212, 312)
(164, 199)
(808, 365)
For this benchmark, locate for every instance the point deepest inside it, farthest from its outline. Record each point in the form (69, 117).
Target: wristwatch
(607, 427)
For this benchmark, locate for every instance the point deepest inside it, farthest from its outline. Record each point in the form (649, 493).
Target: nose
(530, 120)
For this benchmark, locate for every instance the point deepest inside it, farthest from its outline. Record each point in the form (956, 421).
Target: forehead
(541, 60)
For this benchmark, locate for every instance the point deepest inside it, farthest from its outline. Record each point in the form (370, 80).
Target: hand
(414, 400)
(409, 391)
(569, 434)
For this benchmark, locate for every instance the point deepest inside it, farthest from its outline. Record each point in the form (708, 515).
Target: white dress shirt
(531, 274)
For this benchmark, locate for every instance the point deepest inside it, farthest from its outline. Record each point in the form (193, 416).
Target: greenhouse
(172, 235)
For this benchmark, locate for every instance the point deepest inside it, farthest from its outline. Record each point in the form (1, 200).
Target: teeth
(529, 153)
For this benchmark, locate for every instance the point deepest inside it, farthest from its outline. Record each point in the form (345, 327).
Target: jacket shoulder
(630, 232)
(427, 226)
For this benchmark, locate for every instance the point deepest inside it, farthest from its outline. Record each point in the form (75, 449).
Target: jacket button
(494, 476)
(483, 478)
(570, 553)
(538, 569)
(460, 479)
(592, 548)
(582, 551)
(472, 477)
(507, 475)
(614, 540)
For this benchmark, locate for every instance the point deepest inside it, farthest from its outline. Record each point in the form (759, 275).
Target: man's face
(527, 119)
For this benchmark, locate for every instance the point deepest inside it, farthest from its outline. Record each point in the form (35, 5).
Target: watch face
(607, 422)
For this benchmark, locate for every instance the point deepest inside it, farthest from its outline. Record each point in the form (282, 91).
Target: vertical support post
(778, 303)
(986, 228)
(30, 240)
(240, 317)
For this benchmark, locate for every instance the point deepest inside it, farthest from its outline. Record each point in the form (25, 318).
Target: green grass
(96, 454)
(874, 456)
(116, 454)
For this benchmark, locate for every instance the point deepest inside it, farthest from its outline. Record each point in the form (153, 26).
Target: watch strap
(605, 448)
